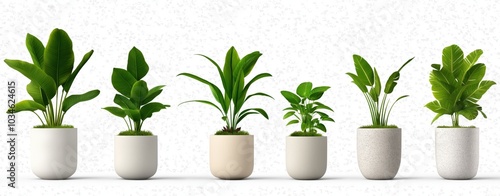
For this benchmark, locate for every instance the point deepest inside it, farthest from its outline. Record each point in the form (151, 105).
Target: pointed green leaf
(134, 114)
(292, 122)
(139, 92)
(292, 98)
(153, 93)
(258, 94)
(204, 102)
(317, 92)
(232, 59)
(122, 81)
(150, 108)
(248, 62)
(436, 117)
(124, 102)
(363, 70)
(259, 110)
(69, 82)
(74, 99)
(475, 74)
(452, 59)
(321, 127)
(36, 75)
(221, 74)
(116, 111)
(215, 90)
(475, 92)
(288, 114)
(304, 89)
(136, 64)
(357, 81)
(58, 57)
(36, 49)
(27, 105)
(472, 58)
(36, 93)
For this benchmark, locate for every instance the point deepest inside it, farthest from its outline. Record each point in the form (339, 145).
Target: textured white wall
(300, 41)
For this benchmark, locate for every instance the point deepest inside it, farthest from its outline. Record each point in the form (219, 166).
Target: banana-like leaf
(436, 107)
(124, 102)
(474, 92)
(453, 58)
(122, 81)
(150, 108)
(469, 113)
(36, 75)
(36, 93)
(74, 99)
(475, 74)
(204, 102)
(153, 93)
(36, 49)
(363, 70)
(304, 89)
(116, 111)
(216, 92)
(317, 92)
(472, 58)
(232, 60)
(58, 57)
(258, 94)
(139, 92)
(440, 88)
(292, 98)
(136, 64)
(436, 117)
(27, 105)
(69, 82)
(248, 62)
(358, 82)
(134, 114)
(378, 86)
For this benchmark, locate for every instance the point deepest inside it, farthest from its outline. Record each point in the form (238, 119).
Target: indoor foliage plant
(232, 149)
(53, 144)
(458, 85)
(306, 150)
(136, 150)
(379, 144)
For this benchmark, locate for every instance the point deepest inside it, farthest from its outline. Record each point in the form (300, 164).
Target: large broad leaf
(357, 81)
(153, 93)
(292, 98)
(27, 105)
(232, 60)
(304, 89)
(453, 58)
(74, 99)
(317, 92)
(436, 107)
(134, 114)
(392, 80)
(69, 82)
(204, 102)
(248, 62)
(364, 70)
(122, 81)
(216, 92)
(116, 111)
(58, 57)
(470, 113)
(124, 102)
(472, 58)
(137, 65)
(36, 75)
(36, 49)
(139, 92)
(475, 74)
(440, 88)
(150, 108)
(474, 92)
(36, 93)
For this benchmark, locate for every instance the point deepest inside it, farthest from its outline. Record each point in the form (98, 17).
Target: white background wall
(300, 41)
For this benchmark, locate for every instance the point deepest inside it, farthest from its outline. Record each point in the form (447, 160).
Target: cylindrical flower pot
(379, 152)
(54, 152)
(231, 156)
(136, 157)
(306, 157)
(457, 152)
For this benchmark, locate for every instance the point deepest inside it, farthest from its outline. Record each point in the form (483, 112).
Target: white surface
(300, 41)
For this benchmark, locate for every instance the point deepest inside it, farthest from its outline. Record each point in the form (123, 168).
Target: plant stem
(38, 117)
(128, 126)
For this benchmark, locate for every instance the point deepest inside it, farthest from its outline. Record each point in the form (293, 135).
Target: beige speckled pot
(54, 152)
(379, 152)
(231, 156)
(457, 152)
(136, 157)
(306, 157)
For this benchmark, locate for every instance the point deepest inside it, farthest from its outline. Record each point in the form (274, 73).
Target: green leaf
(436, 117)
(322, 106)
(58, 57)
(238, 93)
(258, 94)
(452, 59)
(232, 60)
(288, 114)
(391, 82)
(134, 114)
(221, 74)
(215, 90)
(153, 93)
(317, 92)
(124, 102)
(69, 82)
(327, 119)
(148, 109)
(254, 79)
(440, 88)
(469, 113)
(475, 74)
(36, 49)
(472, 58)
(243, 115)
(259, 110)
(116, 111)
(304, 89)
(74, 99)
(436, 107)
(204, 102)
(321, 127)
(378, 85)
(437, 67)
(358, 82)
(475, 92)
(27, 105)
(292, 98)
(139, 92)
(36, 93)
(248, 62)
(136, 64)
(122, 81)
(36, 75)
(292, 122)
(364, 70)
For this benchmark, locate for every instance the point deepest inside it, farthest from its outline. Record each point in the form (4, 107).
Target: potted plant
(458, 85)
(306, 150)
(232, 149)
(53, 144)
(379, 144)
(136, 150)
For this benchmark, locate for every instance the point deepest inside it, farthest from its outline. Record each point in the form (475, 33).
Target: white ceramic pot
(136, 157)
(306, 157)
(379, 152)
(231, 156)
(54, 152)
(457, 152)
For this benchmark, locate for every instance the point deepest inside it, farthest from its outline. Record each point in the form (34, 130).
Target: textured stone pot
(457, 152)
(54, 152)
(379, 152)
(231, 156)
(306, 157)
(136, 157)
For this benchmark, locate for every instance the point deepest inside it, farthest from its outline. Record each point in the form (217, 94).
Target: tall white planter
(54, 152)
(306, 157)
(136, 157)
(231, 156)
(457, 152)
(379, 152)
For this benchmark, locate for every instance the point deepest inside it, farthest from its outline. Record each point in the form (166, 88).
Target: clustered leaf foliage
(368, 81)
(134, 98)
(230, 101)
(51, 76)
(458, 85)
(306, 109)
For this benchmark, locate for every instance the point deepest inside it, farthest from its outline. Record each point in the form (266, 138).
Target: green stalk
(370, 105)
(126, 123)
(38, 117)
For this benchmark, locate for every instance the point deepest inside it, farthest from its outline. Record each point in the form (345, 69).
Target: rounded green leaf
(122, 81)
(35, 74)
(136, 64)
(58, 58)
(304, 89)
(292, 98)
(116, 111)
(139, 92)
(74, 99)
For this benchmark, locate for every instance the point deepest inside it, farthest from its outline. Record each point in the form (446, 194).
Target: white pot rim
(375, 129)
(136, 135)
(231, 135)
(304, 137)
(461, 128)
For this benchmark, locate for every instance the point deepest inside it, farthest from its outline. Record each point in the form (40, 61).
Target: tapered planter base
(457, 152)
(379, 152)
(231, 156)
(136, 157)
(306, 157)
